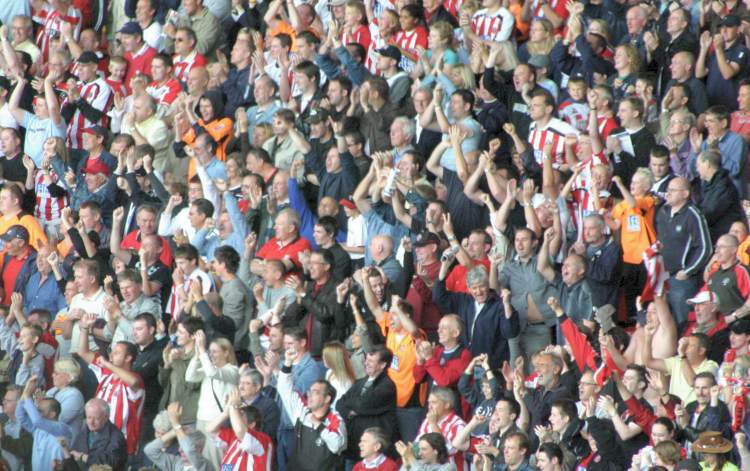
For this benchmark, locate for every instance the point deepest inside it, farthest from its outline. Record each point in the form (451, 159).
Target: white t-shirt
(356, 234)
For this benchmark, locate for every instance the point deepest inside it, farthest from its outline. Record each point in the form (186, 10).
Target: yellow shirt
(677, 384)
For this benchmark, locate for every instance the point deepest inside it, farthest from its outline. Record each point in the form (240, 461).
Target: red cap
(97, 166)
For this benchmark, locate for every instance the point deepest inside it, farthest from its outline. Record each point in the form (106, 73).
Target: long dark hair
(437, 442)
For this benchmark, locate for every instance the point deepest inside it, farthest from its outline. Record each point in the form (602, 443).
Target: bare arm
(15, 100)
(433, 163)
(53, 106)
(648, 359)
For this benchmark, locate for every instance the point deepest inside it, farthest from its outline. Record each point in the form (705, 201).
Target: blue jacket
(488, 330)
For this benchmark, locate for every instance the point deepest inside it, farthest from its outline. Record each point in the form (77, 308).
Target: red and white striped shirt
(453, 6)
(449, 427)
(183, 65)
(47, 207)
(376, 42)
(253, 453)
(409, 41)
(607, 124)
(537, 10)
(361, 36)
(51, 21)
(125, 404)
(583, 201)
(493, 26)
(98, 94)
(554, 131)
(166, 93)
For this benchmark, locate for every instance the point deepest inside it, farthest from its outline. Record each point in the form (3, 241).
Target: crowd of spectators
(491, 235)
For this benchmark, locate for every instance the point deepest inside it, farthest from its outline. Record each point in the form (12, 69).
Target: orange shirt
(637, 231)
(222, 132)
(37, 237)
(743, 251)
(404, 349)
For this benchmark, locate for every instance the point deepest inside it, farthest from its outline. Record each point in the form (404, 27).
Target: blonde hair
(633, 56)
(445, 30)
(227, 347)
(544, 46)
(467, 76)
(336, 358)
(69, 367)
(646, 175)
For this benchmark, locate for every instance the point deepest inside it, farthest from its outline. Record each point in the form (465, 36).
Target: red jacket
(445, 375)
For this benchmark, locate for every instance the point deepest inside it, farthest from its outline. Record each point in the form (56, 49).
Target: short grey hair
(408, 126)
(99, 404)
(161, 422)
(444, 394)
(255, 376)
(477, 275)
(291, 217)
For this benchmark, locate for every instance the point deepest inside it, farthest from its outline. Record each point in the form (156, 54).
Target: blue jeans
(679, 292)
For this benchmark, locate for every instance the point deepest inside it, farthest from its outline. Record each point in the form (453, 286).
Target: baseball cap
(17, 232)
(426, 238)
(131, 27)
(703, 297)
(390, 51)
(731, 21)
(96, 130)
(539, 61)
(88, 57)
(97, 166)
(317, 116)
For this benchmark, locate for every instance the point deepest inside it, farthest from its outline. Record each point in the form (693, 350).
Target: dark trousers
(633, 281)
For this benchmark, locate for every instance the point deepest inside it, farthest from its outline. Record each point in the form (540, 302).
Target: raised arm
(15, 100)
(53, 106)
(543, 265)
(433, 163)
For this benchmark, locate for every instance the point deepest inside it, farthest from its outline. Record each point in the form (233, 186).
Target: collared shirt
(92, 305)
(46, 295)
(524, 279)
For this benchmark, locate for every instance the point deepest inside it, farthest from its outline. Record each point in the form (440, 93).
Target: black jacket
(327, 316)
(716, 419)
(603, 274)
(109, 448)
(686, 242)
(720, 204)
(376, 408)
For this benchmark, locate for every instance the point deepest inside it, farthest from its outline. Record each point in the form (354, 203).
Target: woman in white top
(216, 369)
(340, 371)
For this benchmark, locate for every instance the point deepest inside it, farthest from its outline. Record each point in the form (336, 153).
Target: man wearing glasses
(686, 246)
